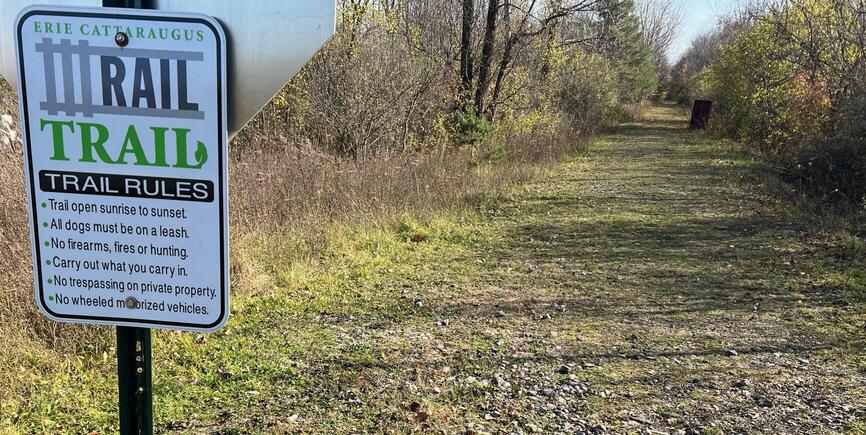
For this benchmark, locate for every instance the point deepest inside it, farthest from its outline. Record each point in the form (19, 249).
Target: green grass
(267, 350)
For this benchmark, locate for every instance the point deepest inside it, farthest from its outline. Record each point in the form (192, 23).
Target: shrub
(764, 100)
(496, 154)
(367, 92)
(471, 128)
(835, 169)
(410, 230)
(586, 93)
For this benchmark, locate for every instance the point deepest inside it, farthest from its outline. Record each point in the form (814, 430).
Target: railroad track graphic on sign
(141, 102)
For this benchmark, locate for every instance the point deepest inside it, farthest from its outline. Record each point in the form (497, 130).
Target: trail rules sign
(124, 122)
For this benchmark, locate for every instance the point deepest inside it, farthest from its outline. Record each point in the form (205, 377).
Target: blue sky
(700, 16)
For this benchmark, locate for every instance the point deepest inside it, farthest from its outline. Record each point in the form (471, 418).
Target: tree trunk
(466, 66)
(504, 64)
(486, 55)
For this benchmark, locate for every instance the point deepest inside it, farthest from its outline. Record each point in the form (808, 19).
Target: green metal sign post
(134, 380)
(134, 365)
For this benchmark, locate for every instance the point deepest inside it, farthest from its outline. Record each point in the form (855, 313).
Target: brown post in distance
(701, 114)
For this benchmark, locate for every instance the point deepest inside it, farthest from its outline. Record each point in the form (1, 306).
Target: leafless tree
(509, 26)
(467, 25)
(660, 22)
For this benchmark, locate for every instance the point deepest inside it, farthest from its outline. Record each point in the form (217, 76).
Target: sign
(269, 40)
(124, 119)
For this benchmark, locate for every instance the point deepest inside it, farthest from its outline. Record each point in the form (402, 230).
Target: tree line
(415, 75)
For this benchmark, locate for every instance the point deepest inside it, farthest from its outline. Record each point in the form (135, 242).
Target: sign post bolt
(121, 39)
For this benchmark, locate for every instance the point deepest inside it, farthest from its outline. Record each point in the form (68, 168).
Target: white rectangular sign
(124, 121)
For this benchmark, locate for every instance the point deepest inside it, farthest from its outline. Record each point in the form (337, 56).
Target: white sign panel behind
(124, 117)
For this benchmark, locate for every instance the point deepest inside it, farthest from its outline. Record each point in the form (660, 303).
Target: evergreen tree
(624, 44)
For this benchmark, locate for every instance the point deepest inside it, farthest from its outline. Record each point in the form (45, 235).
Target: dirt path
(650, 285)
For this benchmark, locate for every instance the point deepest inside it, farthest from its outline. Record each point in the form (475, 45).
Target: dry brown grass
(15, 285)
(285, 186)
